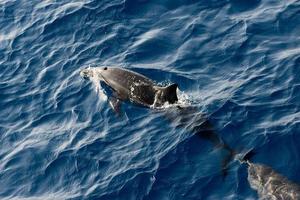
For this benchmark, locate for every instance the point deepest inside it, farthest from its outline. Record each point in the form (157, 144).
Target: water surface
(237, 62)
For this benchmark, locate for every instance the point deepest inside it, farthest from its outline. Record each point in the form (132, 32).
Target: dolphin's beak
(85, 73)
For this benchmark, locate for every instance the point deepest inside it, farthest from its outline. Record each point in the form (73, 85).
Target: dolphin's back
(129, 85)
(126, 77)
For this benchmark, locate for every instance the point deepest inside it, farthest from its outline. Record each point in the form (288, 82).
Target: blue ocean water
(236, 61)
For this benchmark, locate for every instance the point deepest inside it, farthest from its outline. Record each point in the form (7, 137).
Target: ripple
(236, 65)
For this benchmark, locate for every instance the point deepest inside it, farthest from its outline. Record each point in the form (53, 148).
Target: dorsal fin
(170, 94)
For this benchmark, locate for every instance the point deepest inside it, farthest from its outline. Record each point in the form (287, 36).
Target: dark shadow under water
(200, 127)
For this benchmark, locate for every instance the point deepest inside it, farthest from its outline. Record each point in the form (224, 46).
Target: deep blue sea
(237, 63)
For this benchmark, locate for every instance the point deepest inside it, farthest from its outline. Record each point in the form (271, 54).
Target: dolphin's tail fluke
(206, 131)
(226, 160)
(232, 154)
(247, 156)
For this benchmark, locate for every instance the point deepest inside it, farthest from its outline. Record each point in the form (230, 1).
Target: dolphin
(269, 184)
(140, 90)
(132, 86)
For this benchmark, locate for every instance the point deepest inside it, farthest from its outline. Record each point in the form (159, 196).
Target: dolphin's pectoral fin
(115, 103)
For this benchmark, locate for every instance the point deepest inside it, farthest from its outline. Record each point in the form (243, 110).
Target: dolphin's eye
(105, 68)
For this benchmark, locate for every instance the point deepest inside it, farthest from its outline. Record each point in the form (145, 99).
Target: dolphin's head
(258, 175)
(254, 176)
(87, 73)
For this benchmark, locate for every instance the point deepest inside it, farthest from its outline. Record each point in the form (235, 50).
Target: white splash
(183, 98)
(96, 81)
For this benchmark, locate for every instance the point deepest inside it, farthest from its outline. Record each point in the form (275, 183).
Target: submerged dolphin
(129, 85)
(269, 184)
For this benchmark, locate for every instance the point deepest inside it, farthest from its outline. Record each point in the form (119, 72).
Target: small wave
(236, 64)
